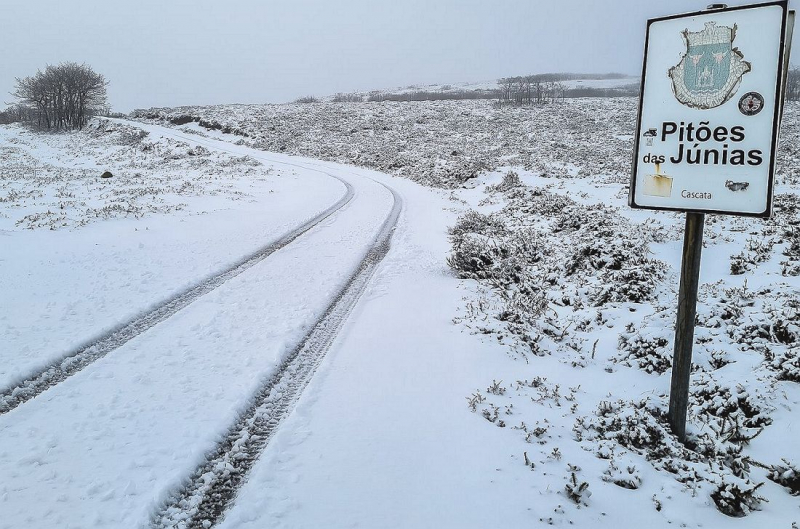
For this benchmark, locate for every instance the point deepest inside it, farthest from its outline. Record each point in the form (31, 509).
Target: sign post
(707, 132)
(684, 326)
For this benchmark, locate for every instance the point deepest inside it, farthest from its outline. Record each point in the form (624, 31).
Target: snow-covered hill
(476, 88)
(438, 143)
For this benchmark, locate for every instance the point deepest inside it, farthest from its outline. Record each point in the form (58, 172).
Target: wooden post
(684, 327)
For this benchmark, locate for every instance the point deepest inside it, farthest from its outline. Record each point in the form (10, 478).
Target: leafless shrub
(63, 96)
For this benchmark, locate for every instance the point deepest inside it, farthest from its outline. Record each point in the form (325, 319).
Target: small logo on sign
(751, 103)
(649, 135)
(737, 186)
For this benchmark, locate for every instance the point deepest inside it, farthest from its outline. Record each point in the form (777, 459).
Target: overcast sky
(181, 52)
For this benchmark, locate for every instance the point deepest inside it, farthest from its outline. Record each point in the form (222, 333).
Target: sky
(181, 52)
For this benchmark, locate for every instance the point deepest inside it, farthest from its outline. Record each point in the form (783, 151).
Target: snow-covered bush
(484, 249)
(624, 271)
(475, 222)
(793, 243)
(525, 304)
(790, 268)
(784, 318)
(480, 257)
(121, 134)
(736, 497)
(775, 321)
(754, 253)
(719, 359)
(577, 490)
(510, 180)
(787, 365)
(732, 406)
(627, 477)
(787, 475)
(641, 427)
(732, 305)
(648, 353)
(635, 282)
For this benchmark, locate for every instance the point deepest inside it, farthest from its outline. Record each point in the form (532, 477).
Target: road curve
(126, 438)
(77, 359)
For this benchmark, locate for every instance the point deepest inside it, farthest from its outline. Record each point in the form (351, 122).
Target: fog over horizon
(202, 52)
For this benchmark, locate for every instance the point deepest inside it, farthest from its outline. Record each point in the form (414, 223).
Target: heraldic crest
(711, 70)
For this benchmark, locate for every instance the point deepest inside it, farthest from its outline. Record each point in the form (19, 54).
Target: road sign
(709, 111)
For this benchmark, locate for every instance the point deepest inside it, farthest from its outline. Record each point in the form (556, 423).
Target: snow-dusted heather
(437, 143)
(583, 292)
(53, 180)
(447, 143)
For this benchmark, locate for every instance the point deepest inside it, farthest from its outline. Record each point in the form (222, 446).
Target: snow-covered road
(64, 290)
(73, 361)
(105, 446)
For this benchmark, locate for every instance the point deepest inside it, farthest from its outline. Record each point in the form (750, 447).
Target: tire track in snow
(201, 501)
(77, 359)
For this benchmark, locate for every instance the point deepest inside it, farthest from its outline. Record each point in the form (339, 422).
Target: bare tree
(63, 96)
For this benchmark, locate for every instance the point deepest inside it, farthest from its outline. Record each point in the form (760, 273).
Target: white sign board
(710, 109)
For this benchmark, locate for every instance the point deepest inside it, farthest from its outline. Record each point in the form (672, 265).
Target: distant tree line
(428, 95)
(529, 89)
(551, 87)
(522, 90)
(60, 97)
(347, 98)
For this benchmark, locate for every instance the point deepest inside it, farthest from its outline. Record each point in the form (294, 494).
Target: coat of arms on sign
(711, 70)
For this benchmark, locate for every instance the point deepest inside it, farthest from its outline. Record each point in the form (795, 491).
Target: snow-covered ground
(583, 290)
(103, 447)
(527, 392)
(116, 247)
